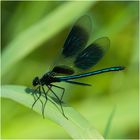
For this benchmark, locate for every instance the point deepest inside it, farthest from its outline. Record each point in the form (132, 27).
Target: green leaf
(42, 31)
(76, 125)
(108, 126)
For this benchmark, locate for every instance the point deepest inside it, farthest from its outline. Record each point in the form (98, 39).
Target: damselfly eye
(35, 81)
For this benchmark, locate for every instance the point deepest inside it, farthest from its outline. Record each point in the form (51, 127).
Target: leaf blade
(77, 126)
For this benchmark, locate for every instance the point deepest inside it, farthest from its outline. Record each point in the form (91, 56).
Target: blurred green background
(118, 21)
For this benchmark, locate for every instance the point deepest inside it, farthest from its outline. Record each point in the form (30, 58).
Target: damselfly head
(36, 81)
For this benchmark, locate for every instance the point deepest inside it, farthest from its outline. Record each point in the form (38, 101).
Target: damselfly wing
(76, 59)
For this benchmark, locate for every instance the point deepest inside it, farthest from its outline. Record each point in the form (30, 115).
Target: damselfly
(76, 58)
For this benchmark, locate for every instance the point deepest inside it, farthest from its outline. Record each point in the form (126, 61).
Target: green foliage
(109, 122)
(76, 125)
(42, 31)
(30, 31)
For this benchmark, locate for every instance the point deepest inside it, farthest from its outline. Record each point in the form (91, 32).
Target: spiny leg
(43, 108)
(53, 103)
(40, 94)
(59, 102)
(33, 93)
(41, 101)
(38, 97)
(62, 91)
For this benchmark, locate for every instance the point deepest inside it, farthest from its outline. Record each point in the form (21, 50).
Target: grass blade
(108, 126)
(76, 125)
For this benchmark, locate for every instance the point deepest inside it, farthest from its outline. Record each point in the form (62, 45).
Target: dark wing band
(78, 37)
(92, 54)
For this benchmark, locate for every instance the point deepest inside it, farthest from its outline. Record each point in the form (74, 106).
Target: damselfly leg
(60, 101)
